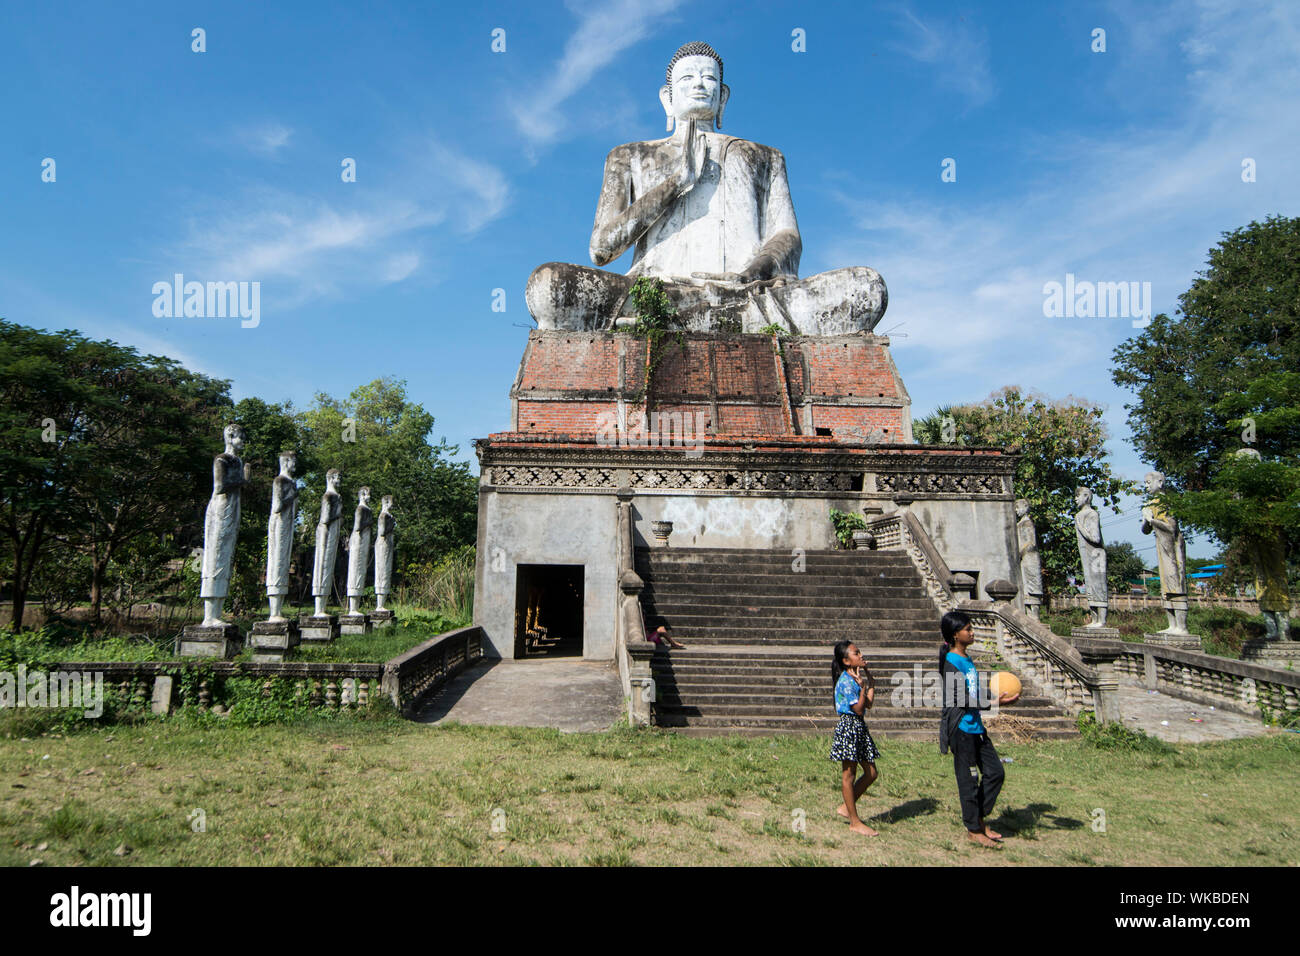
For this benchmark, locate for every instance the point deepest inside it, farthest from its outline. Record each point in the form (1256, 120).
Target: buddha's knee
(561, 295)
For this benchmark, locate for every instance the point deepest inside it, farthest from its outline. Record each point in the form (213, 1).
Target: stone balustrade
(1237, 686)
(331, 685)
(1055, 666)
(409, 678)
(1151, 602)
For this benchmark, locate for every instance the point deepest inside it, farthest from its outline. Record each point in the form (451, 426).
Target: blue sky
(473, 167)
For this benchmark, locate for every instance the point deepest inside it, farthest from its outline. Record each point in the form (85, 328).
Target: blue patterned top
(847, 691)
(969, 723)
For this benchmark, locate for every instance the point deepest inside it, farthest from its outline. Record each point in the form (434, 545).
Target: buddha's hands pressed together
(695, 153)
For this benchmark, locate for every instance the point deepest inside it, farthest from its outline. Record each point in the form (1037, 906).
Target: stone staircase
(760, 634)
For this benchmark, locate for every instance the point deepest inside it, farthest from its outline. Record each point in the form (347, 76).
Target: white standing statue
(1092, 552)
(1171, 554)
(385, 529)
(363, 524)
(1031, 568)
(327, 541)
(710, 216)
(221, 525)
(279, 533)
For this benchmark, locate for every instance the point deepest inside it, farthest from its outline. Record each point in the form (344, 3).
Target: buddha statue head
(694, 87)
(1083, 497)
(332, 478)
(288, 459)
(363, 497)
(1022, 507)
(386, 503)
(234, 436)
(1155, 482)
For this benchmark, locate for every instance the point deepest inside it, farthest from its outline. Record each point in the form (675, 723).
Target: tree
(1252, 499)
(1124, 567)
(378, 438)
(101, 447)
(1061, 445)
(1240, 321)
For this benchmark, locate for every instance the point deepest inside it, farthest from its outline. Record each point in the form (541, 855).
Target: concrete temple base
(354, 624)
(215, 640)
(318, 629)
(1186, 642)
(381, 618)
(273, 641)
(1270, 652)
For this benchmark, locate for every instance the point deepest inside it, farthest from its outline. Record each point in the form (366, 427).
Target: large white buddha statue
(709, 215)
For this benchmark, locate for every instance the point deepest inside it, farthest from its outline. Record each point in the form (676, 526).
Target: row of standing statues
(221, 527)
(1171, 556)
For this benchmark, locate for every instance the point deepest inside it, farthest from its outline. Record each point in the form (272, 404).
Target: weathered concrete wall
(764, 523)
(515, 529)
(973, 536)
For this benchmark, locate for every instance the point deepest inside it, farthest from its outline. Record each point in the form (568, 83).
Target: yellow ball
(1004, 682)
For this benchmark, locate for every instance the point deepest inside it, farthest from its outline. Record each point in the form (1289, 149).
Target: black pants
(979, 776)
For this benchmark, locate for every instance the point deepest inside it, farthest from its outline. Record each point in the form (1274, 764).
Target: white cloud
(956, 48)
(1124, 202)
(265, 139)
(604, 31)
(322, 245)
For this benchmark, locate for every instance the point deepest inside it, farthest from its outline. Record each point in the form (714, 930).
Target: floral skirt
(853, 741)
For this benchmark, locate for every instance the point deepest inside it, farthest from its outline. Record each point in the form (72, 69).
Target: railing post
(1100, 654)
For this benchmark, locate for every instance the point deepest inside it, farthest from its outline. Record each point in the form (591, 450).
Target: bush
(845, 523)
(1118, 737)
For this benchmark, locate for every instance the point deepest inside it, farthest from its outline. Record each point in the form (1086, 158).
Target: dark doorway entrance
(548, 610)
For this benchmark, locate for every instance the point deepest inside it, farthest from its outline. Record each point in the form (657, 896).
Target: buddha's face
(236, 440)
(286, 465)
(364, 496)
(696, 88)
(1155, 482)
(1022, 508)
(386, 503)
(1083, 497)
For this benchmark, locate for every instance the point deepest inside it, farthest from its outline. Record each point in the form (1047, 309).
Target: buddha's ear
(722, 103)
(665, 97)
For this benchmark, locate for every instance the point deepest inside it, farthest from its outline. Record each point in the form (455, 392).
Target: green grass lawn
(61, 643)
(386, 791)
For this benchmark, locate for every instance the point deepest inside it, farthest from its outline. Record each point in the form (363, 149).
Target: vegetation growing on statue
(656, 320)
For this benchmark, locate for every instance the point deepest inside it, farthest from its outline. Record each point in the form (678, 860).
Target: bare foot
(843, 811)
(862, 828)
(991, 833)
(981, 839)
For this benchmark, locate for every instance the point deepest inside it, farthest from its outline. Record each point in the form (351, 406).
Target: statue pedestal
(1186, 642)
(318, 629)
(381, 618)
(354, 624)
(1270, 652)
(1085, 631)
(272, 641)
(212, 640)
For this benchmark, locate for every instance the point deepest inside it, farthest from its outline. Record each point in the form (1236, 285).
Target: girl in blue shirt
(855, 691)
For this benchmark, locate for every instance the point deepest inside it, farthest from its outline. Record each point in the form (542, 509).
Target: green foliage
(774, 328)
(845, 523)
(1116, 736)
(1246, 499)
(130, 449)
(435, 500)
(656, 321)
(1238, 325)
(1123, 567)
(446, 586)
(1061, 444)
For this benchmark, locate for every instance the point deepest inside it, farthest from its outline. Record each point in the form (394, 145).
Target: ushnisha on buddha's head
(694, 89)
